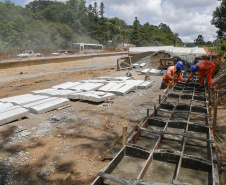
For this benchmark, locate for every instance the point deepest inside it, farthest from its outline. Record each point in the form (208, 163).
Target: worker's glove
(183, 80)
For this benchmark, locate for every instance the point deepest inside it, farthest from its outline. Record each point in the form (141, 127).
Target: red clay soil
(208, 50)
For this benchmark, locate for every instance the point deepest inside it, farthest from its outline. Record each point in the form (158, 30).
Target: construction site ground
(43, 149)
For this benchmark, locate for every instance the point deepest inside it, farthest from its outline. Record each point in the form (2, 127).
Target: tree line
(45, 24)
(219, 21)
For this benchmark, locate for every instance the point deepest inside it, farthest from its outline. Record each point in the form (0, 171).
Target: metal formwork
(173, 146)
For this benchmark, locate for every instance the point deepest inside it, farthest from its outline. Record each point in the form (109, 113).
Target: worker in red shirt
(204, 67)
(171, 71)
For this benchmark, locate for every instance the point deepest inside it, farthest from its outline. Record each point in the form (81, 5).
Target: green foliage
(45, 24)
(219, 18)
(219, 21)
(220, 46)
(199, 41)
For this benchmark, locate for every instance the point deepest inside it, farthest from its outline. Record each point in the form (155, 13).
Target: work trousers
(208, 74)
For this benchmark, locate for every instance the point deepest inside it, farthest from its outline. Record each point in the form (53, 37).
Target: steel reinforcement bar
(173, 146)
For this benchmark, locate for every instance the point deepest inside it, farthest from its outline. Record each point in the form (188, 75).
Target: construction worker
(171, 72)
(205, 68)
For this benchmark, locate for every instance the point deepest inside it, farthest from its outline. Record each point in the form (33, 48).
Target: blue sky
(188, 18)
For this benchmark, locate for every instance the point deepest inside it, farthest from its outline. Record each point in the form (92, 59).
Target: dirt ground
(42, 149)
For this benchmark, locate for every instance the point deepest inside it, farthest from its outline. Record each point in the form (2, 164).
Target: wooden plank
(112, 178)
(124, 135)
(184, 134)
(215, 112)
(66, 106)
(67, 179)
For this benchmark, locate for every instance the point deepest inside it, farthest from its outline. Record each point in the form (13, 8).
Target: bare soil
(42, 149)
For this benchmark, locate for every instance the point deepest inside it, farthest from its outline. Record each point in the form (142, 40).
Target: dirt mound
(137, 58)
(156, 57)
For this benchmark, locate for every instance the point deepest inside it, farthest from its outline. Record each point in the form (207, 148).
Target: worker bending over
(171, 72)
(204, 67)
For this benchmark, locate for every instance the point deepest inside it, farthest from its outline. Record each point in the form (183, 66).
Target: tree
(219, 18)
(39, 5)
(199, 40)
(135, 35)
(164, 28)
(101, 12)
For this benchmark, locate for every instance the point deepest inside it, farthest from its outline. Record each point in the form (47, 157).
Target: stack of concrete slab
(5, 105)
(109, 86)
(145, 85)
(135, 83)
(87, 87)
(114, 78)
(122, 88)
(125, 88)
(66, 85)
(9, 113)
(94, 81)
(34, 103)
(23, 99)
(53, 92)
(121, 91)
(48, 105)
(94, 96)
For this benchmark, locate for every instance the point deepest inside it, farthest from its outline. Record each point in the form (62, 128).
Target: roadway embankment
(47, 60)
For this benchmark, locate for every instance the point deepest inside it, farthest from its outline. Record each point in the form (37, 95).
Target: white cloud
(188, 18)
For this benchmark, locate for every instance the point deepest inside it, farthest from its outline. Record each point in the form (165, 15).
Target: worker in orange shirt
(204, 67)
(171, 71)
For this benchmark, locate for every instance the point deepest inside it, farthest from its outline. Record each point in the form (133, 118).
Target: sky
(188, 18)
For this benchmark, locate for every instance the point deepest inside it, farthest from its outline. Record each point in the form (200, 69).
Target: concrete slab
(50, 105)
(142, 64)
(136, 65)
(124, 89)
(87, 87)
(157, 71)
(13, 98)
(5, 105)
(108, 86)
(145, 85)
(9, 108)
(28, 98)
(94, 81)
(134, 82)
(66, 85)
(114, 78)
(115, 87)
(54, 92)
(27, 106)
(100, 98)
(145, 71)
(13, 114)
(152, 71)
(61, 93)
(75, 96)
(43, 91)
(96, 96)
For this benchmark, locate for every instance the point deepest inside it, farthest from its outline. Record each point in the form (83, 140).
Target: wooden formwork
(174, 145)
(121, 62)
